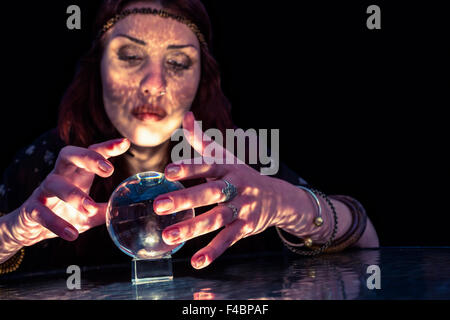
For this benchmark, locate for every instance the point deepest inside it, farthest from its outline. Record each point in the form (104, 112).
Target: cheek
(184, 90)
(117, 86)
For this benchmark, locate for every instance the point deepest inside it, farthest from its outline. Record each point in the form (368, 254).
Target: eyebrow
(180, 46)
(172, 46)
(132, 39)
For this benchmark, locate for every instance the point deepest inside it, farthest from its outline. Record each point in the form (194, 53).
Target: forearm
(369, 239)
(298, 219)
(8, 245)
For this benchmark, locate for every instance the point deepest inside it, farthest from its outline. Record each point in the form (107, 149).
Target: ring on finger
(230, 191)
(233, 208)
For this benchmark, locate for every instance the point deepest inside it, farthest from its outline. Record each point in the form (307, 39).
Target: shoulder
(29, 168)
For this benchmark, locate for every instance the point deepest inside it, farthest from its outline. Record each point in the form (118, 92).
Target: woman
(149, 72)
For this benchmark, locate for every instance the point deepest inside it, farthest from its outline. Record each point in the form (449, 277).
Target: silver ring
(233, 208)
(230, 191)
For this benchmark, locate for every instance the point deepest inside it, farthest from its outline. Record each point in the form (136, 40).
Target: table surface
(405, 273)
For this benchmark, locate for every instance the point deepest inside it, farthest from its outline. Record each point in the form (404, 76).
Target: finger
(49, 220)
(193, 197)
(99, 217)
(224, 239)
(71, 158)
(56, 185)
(111, 148)
(207, 222)
(203, 144)
(183, 171)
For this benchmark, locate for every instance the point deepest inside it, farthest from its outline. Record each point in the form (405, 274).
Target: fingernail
(172, 170)
(70, 233)
(124, 143)
(163, 205)
(172, 234)
(89, 205)
(200, 261)
(105, 166)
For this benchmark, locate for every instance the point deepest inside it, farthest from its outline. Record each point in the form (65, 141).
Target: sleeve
(29, 168)
(290, 176)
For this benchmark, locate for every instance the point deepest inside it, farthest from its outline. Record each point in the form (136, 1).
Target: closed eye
(132, 55)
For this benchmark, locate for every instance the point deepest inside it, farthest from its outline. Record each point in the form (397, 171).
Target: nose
(153, 83)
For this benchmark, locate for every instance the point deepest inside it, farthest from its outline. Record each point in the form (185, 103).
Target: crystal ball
(131, 221)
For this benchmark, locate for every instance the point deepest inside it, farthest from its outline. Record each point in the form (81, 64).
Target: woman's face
(150, 73)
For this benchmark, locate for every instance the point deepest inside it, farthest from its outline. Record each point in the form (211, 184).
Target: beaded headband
(159, 12)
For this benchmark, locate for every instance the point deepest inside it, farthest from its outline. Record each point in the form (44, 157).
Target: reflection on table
(406, 273)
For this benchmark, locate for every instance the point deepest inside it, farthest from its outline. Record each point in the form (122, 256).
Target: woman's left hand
(261, 201)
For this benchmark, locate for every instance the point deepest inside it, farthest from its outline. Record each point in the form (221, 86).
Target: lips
(149, 112)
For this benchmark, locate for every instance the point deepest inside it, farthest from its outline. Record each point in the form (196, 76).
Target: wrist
(9, 246)
(299, 218)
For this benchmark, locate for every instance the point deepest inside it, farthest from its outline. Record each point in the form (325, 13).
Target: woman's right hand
(61, 205)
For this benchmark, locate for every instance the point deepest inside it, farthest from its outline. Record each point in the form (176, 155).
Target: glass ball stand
(151, 270)
(136, 229)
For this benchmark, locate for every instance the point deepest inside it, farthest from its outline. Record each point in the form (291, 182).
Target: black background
(360, 112)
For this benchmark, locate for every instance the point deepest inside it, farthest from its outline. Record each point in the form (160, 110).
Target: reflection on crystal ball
(133, 225)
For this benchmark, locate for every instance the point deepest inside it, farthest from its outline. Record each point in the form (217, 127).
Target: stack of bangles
(13, 263)
(349, 238)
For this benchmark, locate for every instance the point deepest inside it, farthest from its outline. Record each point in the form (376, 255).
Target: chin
(145, 138)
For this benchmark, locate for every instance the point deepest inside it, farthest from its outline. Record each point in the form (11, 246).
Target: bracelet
(357, 228)
(13, 263)
(318, 221)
